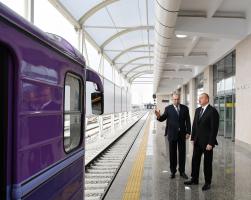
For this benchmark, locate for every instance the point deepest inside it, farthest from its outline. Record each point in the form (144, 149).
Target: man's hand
(157, 113)
(209, 147)
(187, 136)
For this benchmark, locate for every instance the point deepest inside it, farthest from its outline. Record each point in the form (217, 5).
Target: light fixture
(187, 188)
(181, 36)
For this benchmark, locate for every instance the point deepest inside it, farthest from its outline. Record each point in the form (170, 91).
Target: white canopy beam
(128, 30)
(130, 49)
(138, 67)
(135, 59)
(95, 9)
(140, 74)
(60, 7)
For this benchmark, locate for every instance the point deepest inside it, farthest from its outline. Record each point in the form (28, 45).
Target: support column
(80, 40)
(208, 82)
(29, 10)
(183, 95)
(192, 98)
(85, 52)
(101, 65)
(113, 73)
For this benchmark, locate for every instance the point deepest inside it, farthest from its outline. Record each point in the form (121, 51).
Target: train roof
(53, 40)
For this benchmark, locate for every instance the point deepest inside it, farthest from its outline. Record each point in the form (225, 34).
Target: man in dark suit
(204, 132)
(178, 128)
(48, 100)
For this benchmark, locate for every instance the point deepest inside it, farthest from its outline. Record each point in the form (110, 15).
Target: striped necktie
(201, 112)
(177, 108)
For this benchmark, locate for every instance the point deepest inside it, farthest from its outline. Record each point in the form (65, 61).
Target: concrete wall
(161, 105)
(208, 88)
(208, 82)
(182, 95)
(243, 91)
(192, 100)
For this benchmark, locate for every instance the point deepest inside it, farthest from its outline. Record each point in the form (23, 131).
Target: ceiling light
(187, 188)
(181, 36)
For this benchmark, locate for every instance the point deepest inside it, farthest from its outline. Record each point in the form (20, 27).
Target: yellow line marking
(133, 186)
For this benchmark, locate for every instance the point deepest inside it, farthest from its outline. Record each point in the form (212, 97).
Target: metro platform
(145, 173)
(186, 47)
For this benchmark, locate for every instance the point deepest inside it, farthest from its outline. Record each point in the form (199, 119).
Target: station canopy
(125, 32)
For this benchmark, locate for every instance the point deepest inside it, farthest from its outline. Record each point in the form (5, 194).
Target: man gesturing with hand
(178, 129)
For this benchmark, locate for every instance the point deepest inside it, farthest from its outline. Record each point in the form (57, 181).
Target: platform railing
(97, 125)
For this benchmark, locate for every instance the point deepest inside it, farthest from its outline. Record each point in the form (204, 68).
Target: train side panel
(41, 167)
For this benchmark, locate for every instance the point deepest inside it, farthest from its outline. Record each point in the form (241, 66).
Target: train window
(72, 112)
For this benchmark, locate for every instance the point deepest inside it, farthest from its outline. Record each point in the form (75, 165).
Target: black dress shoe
(191, 182)
(172, 176)
(206, 187)
(184, 175)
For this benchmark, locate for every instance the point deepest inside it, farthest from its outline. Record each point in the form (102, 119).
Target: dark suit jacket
(205, 129)
(51, 105)
(176, 123)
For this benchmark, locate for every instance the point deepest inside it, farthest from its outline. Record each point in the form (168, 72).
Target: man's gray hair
(205, 94)
(175, 94)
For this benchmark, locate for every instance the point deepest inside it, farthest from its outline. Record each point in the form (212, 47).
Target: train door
(5, 104)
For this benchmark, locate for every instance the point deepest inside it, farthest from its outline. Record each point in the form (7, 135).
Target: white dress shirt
(177, 108)
(204, 108)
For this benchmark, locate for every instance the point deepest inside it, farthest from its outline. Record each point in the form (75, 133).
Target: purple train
(42, 84)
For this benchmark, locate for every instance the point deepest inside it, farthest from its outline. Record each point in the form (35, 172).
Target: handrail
(106, 121)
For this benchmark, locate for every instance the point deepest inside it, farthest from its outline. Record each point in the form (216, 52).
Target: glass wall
(107, 70)
(49, 19)
(224, 94)
(224, 75)
(17, 6)
(93, 56)
(116, 77)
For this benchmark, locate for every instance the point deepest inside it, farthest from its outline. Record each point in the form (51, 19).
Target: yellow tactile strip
(133, 186)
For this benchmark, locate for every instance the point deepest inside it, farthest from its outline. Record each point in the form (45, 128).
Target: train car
(42, 84)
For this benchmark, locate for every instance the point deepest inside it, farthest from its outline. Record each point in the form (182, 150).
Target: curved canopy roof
(124, 31)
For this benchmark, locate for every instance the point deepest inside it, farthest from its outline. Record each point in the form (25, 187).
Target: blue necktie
(201, 112)
(177, 110)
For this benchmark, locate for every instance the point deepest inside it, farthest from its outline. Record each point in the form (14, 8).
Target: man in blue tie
(178, 128)
(204, 132)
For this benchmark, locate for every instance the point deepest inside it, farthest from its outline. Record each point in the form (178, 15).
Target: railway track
(100, 173)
